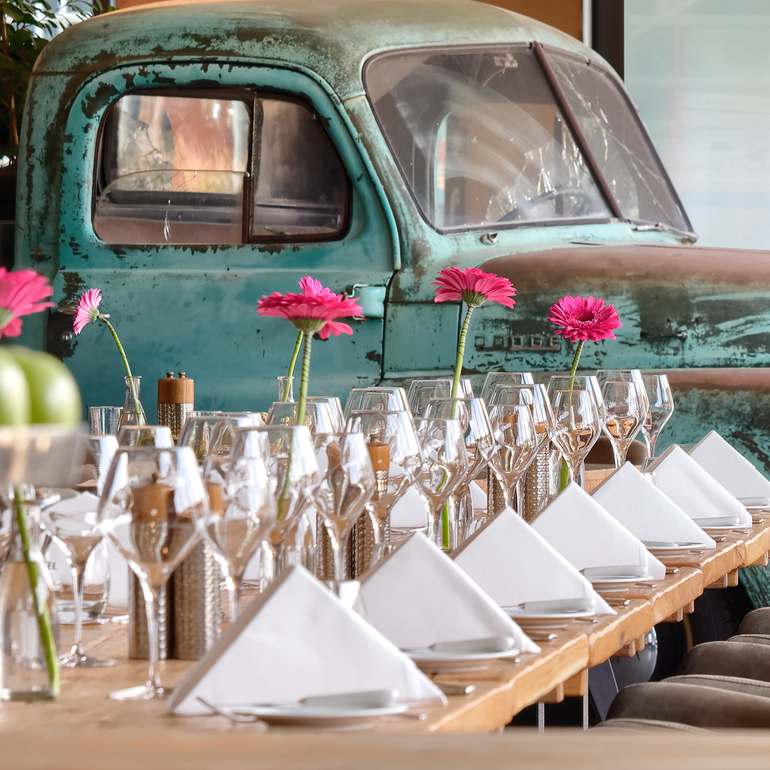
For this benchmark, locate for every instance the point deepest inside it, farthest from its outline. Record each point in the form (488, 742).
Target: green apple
(14, 391)
(52, 394)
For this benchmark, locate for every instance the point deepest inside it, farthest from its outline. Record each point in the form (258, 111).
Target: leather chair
(756, 622)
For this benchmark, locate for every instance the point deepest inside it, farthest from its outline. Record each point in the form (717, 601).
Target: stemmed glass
(150, 499)
(334, 406)
(72, 522)
(422, 391)
(292, 472)
(145, 435)
(369, 399)
(444, 467)
(479, 444)
(661, 407)
(504, 378)
(536, 398)
(514, 429)
(211, 433)
(579, 382)
(393, 448)
(241, 513)
(576, 426)
(318, 417)
(625, 415)
(346, 486)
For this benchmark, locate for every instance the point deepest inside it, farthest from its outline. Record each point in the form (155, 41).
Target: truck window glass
(173, 170)
(186, 169)
(480, 139)
(619, 143)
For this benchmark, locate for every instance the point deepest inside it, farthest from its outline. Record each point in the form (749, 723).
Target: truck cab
(188, 159)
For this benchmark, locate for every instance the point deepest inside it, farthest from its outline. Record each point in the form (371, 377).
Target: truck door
(195, 189)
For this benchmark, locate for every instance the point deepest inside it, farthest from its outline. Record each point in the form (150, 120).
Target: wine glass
(422, 391)
(318, 417)
(661, 407)
(241, 513)
(150, 500)
(385, 399)
(479, 444)
(72, 522)
(394, 451)
(346, 486)
(444, 467)
(624, 418)
(514, 429)
(292, 472)
(334, 406)
(576, 426)
(211, 433)
(145, 435)
(625, 375)
(504, 378)
(250, 419)
(578, 382)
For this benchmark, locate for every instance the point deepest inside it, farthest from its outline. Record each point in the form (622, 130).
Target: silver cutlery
(450, 688)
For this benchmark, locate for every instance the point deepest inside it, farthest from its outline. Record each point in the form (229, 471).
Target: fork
(233, 717)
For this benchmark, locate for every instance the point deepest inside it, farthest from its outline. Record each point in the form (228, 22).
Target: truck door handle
(371, 299)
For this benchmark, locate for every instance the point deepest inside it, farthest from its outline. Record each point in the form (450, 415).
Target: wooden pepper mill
(176, 397)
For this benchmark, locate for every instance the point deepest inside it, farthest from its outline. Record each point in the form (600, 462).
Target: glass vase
(29, 667)
(285, 389)
(442, 528)
(133, 411)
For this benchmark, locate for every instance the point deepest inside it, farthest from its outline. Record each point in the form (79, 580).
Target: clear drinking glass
(579, 382)
(369, 399)
(661, 407)
(292, 472)
(624, 416)
(334, 406)
(145, 435)
(479, 443)
(393, 448)
(211, 434)
(318, 417)
(513, 427)
(444, 467)
(151, 497)
(104, 420)
(625, 375)
(504, 378)
(285, 388)
(240, 516)
(72, 522)
(346, 485)
(576, 426)
(133, 411)
(422, 391)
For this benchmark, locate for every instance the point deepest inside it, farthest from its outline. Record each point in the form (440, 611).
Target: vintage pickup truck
(189, 158)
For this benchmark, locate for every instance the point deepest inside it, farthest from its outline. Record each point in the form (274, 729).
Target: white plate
(719, 522)
(610, 574)
(602, 580)
(433, 662)
(754, 502)
(670, 553)
(306, 716)
(545, 620)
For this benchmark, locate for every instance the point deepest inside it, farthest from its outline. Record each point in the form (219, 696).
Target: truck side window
(198, 169)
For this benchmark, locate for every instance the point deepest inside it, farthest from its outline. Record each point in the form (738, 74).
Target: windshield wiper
(660, 227)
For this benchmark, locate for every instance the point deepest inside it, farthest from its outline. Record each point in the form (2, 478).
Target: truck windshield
(482, 142)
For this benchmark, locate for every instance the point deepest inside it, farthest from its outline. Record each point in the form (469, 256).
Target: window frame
(248, 97)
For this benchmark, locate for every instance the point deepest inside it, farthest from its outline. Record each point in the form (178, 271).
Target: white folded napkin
(509, 560)
(295, 641)
(587, 536)
(82, 502)
(478, 497)
(410, 512)
(417, 596)
(694, 489)
(646, 511)
(731, 469)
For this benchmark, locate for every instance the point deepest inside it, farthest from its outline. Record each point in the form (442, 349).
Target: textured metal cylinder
(138, 641)
(537, 484)
(361, 544)
(173, 416)
(197, 604)
(495, 496)
(325, 553)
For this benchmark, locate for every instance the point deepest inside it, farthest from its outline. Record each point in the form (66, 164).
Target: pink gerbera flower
(584, 318)
(474, 287)
(21, 293)
(87, 309)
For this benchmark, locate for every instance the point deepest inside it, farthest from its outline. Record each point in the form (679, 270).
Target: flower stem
(564, 475)
(125, 363)
(43, 618)
(461, 351)
(303, 383)
(291, 364)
